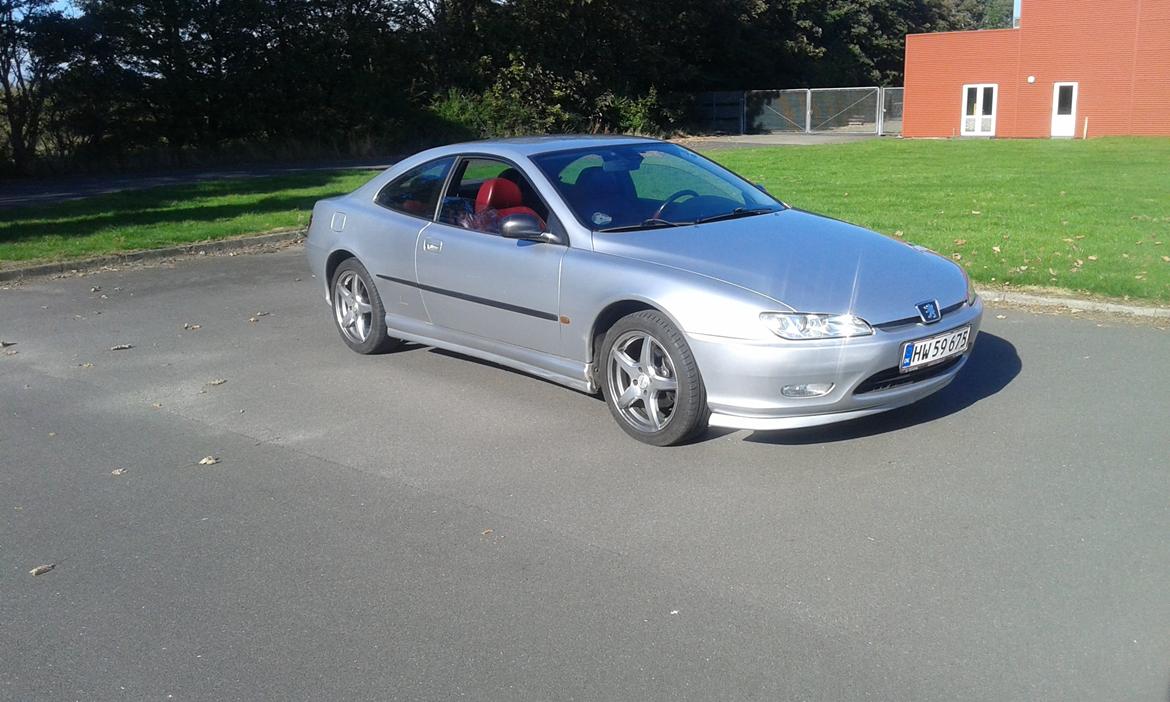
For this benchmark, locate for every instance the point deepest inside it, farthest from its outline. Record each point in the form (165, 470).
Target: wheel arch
(608, 317)
(335, 259)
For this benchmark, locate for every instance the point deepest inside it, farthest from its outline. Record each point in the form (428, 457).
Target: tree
(26, 27)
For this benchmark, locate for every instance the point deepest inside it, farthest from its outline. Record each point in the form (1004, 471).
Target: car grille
(907, 321)
(891, 378)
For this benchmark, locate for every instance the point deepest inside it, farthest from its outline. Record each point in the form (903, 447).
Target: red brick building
(1070, 68)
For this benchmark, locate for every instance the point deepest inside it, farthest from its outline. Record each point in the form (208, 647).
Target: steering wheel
(671, 200)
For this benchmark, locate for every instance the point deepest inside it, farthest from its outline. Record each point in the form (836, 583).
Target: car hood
(807, 262)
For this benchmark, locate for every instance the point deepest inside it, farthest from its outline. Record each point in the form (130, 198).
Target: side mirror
(522, 226)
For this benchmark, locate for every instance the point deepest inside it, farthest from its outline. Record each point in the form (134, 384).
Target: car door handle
(432, 245)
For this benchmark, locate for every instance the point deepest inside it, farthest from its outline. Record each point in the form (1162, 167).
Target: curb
(1072, 304)
(275, 238)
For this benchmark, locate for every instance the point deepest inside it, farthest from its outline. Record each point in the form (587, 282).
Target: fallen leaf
(253, 320)
(1001, 316)
(1091, 258)
(217, 381)
(995, 249)
(118, 471)
(42, 569)
(190, 327)
(87, 364)
(11, 352)
(1051, 271)
(52, 433)
(898, 233)
(976, 212)
(156, 405)
(1079, 262)
(1023, 268)
(96, 288)
(1166, 259)
(674, 611)
(208, 461)
(6, 344)
(1079, 236)
(121, 347)
(960, 242)
(957, 256)
(487, 532)
(260, 314)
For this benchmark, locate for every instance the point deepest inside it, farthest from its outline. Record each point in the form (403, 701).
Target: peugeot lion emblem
(928, 311)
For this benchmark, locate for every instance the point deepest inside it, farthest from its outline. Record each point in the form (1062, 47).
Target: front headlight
(971, 294)
(796, 325)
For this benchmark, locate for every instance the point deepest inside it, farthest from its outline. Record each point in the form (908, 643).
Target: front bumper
(744, 378)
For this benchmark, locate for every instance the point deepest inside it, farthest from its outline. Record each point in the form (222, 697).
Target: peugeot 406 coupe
(687, 296)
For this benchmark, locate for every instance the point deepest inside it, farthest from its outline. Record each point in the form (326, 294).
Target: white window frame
(963, 131)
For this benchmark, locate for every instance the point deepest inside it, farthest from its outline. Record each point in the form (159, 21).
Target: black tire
(351, 291)
(683, 410)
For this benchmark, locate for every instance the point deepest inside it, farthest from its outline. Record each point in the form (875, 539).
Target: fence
(868, 110)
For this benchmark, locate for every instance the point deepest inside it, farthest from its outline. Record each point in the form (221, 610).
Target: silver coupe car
(686, 295)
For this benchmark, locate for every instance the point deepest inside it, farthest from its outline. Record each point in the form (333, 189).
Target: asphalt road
(419, 526)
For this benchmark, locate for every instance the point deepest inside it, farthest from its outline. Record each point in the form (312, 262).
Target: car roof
(533, 145)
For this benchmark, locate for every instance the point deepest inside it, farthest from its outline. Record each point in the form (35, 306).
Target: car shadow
(993, 365)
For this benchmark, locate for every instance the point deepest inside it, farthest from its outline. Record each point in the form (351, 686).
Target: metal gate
(865, 110)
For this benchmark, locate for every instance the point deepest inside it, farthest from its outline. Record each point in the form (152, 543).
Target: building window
(979, 107)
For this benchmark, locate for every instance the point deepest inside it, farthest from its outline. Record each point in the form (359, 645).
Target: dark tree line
(125, 83)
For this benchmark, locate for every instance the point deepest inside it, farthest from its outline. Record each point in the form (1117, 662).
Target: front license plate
(933, 349)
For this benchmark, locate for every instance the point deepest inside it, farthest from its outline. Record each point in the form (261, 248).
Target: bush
(528, 99)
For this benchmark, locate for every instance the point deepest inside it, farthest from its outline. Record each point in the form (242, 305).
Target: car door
(477, 282)
(389, 230)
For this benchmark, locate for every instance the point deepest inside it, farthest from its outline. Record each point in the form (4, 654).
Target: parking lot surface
(421, 526)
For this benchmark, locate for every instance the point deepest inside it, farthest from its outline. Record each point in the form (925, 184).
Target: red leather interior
(498, 194)
(504, 197)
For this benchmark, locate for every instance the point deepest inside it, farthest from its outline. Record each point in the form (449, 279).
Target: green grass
(1088, 216)
(166, 216)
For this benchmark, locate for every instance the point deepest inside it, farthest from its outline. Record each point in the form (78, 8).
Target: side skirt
(562, 371)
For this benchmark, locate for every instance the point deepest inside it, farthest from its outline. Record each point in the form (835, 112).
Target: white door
(1064, 110)
(979, 110)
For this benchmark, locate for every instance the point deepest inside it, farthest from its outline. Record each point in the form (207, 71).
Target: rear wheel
(651, 382)
(358, 311)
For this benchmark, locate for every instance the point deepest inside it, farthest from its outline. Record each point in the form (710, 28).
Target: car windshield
(628, 187)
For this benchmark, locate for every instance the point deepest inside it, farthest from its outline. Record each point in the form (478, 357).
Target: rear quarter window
(416, 192)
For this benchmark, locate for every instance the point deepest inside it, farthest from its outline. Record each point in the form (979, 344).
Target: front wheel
(358, 311)
(650, 380)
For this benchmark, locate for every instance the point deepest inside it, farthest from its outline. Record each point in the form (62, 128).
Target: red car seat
(504, 197)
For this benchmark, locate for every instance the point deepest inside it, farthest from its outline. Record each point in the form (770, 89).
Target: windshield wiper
(652, 223)
(735, 214)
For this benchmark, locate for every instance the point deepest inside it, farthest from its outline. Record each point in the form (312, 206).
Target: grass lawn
(1090, 216)
(166, 216)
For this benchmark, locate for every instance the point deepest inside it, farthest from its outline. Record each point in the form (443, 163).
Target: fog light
(806, 390)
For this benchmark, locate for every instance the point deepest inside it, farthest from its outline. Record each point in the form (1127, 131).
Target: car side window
(484, 191)
(416, 192)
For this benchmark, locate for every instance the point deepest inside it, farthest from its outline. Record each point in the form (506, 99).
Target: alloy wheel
(642, 381)
(351, 306)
